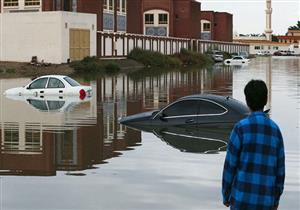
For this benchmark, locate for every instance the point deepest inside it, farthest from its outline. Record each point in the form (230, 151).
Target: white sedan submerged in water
(52, 85)
(236, 60)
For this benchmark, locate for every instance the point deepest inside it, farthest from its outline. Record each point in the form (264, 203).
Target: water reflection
(51, 103)
(208, 140)
(40, 136)
(67, 143)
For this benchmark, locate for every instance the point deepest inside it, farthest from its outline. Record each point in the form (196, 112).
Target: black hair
(256, 93)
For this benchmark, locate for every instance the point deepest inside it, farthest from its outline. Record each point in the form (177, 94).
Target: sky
(249, 15)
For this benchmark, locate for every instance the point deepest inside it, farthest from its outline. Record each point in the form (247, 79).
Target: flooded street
(59, 153)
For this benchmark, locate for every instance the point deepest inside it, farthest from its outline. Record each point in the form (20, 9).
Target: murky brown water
(60, 154)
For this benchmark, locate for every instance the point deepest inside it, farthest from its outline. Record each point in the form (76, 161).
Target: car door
(55, 87)
(210, 112)
(179, 113)
(37, 87)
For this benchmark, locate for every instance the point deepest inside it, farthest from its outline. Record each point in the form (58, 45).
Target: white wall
(42, 34)
(78, 21)
(267, 47)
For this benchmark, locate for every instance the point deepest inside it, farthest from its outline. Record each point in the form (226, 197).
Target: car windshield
(237, 58)
(72, 82)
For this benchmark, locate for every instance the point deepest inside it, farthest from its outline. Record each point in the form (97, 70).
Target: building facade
(111, 14)
(81, 37)
(292, 38)
(216, 26)
(173, 18)
(263, 47)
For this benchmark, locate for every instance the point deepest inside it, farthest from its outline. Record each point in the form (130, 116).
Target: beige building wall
(42, 34)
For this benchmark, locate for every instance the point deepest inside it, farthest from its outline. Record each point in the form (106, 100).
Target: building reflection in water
(39, 143)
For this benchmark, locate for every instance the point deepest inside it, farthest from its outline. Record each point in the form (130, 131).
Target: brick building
(175, 18)
(292, 38)
(216, 26)
(82, 22)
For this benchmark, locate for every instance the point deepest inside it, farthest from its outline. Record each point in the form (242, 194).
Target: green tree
(296, 27)
(274, 38)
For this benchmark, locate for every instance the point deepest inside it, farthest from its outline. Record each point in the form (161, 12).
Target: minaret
(269, 30)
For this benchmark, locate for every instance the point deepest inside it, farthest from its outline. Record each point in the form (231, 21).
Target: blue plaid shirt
(254, 169)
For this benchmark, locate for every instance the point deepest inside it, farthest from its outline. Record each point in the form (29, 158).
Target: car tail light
(82, 94)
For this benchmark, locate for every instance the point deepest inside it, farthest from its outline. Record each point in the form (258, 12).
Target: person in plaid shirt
(254, 168)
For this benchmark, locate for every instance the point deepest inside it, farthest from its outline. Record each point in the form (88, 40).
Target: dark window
(67, 5)
(32, 2)
(110, 4)
(118, 5)
(149, 19)
(10, 3)
(55, 83)
(39, 84)
(123, 6)
(188, 107)
(206, 26)
(163, 18)
(207, 107)
(72, 82)
(237, 58)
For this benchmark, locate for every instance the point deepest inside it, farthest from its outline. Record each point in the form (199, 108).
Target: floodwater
(62, 154)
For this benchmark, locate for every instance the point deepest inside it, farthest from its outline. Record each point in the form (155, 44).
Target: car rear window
(186, 107)
(72, 82)
(207, 107)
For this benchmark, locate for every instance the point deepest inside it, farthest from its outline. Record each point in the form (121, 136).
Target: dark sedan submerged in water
(203, 109)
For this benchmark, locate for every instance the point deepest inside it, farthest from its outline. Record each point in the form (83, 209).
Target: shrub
(226, 55)
(174, 61)
(193, 58)
(153, 59)
(11, 71)
(88, 64)
(112, 67)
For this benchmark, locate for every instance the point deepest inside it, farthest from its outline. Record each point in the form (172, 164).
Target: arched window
(156, 23)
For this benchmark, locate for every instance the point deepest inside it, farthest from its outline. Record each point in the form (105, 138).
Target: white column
(268, 30)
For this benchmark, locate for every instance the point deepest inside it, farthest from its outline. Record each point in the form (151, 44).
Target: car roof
(55, 76)
(227, 101)
(205, 96)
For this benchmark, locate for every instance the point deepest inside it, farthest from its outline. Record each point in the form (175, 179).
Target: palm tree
(296, 27)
